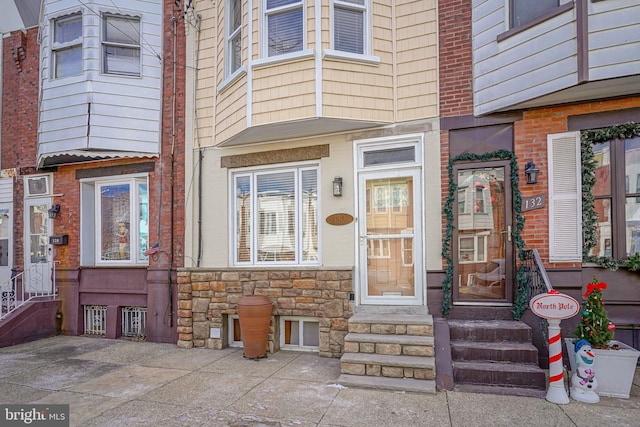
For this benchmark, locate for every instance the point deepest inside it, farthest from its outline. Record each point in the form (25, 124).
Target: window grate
(134, 322)
(95, 319)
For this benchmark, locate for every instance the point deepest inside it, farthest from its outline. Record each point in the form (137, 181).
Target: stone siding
(206, 297)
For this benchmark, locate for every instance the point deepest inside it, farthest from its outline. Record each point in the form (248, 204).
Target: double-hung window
(66, 49)
(616, 205)
(350, 20)
(276, 216)
(284, 22)
(115, 221)
(234, 35)
(523, 11)
(121, 45)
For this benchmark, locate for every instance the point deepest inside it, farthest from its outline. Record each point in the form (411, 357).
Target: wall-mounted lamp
(531, 172)
(54, 211)
(337, 186)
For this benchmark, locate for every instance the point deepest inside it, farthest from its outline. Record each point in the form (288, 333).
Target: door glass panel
(4, 239)
(482, 233)
(38, 237)
(390, 237)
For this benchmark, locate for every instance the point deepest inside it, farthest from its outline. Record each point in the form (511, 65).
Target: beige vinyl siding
(283, 92)
(206, 85)
(416, 57)
(231, 111)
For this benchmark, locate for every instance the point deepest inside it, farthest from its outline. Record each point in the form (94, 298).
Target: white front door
(390, 230)
(6, 242)
(38, 251)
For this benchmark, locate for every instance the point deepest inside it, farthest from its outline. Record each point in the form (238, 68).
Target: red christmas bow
(593, 286)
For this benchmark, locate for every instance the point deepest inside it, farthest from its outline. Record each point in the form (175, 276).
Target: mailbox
(59, 240)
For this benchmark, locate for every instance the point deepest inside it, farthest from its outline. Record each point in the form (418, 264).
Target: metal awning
(78, 156)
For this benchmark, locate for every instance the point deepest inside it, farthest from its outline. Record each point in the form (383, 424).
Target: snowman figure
(583, 380)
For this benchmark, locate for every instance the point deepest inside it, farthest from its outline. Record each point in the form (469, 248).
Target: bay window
(115, 221)
(349, 24)
(234, 36)
(284, 21)
(66, 49)
(275, 216)
(121, 45)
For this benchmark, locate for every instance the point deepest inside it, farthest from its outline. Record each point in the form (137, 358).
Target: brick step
(499, 374)
(386, 383)
(391, 324)
(422, 368)
(409, 345)
(489, 330)
(514, 352)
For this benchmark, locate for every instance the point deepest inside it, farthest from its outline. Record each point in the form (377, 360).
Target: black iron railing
(538, 282)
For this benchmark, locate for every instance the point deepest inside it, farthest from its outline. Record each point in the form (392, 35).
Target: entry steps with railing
(35, 282)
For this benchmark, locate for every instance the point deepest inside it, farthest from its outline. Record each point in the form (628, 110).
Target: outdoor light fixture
(337, 186)
(54, 211)
(531, 172)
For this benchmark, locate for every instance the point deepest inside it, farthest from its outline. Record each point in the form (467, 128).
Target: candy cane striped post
(556, 392)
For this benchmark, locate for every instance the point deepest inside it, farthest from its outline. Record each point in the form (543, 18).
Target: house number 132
(533, 202)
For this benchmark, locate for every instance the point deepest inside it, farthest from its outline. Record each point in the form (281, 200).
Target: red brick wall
(531, 144)
(20, 65)
(456, 73)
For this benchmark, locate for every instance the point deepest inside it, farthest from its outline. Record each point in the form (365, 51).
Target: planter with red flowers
(615, 362)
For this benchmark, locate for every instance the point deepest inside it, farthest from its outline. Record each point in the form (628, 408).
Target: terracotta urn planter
(254, 312)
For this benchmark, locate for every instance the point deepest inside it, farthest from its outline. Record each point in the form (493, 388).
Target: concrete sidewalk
(125, 383)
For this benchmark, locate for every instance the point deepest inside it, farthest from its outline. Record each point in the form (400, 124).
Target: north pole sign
(554, 305)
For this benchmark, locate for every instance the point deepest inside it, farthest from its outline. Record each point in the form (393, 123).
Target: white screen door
(38, 253)
(389, 224)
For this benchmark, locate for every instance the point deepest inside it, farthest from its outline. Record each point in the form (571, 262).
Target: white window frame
(91, 220)
(379, 248)
(301, 322)
(364, 9)
(232, 35)
(57, 48)
(255, 230)
(296, 4)
(476, 258)
(134, 45)
(231, 318)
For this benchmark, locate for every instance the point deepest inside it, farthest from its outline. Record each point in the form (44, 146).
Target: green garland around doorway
(520, 303)
(589, 217)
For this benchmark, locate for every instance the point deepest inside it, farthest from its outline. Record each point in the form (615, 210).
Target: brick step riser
(392, 350)
(373, 370)
(500, 378)
(417, 330)
(489, 335)
(498, 355)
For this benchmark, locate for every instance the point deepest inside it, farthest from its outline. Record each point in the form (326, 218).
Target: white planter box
(614, 368)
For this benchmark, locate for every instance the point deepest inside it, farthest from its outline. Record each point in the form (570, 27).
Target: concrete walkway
(125, 383)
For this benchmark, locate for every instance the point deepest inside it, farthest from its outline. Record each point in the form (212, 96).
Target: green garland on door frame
(520, 303)
(589, 165)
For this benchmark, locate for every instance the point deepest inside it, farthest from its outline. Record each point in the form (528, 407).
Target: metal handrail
(538, 282)
(26, 286)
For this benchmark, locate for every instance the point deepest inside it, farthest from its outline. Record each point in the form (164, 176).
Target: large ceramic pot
(614, 368)
(254, 312)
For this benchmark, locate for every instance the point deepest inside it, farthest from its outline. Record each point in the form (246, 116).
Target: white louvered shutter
(565, 197)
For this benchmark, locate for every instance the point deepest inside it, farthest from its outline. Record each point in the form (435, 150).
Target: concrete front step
(391, 324)
(514, 352)
(392, 318)
(501, 390)
(489, 330)
(409, 345)
(499, 374)
(386, 383)
(420, 368)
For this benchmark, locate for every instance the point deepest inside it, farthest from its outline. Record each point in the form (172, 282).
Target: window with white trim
(66, 49)
(299, 333)
(350, 23)
(234, 36)
(276, 216)
(235, 333)
(120, 45)
(284, 26)
(115, 221)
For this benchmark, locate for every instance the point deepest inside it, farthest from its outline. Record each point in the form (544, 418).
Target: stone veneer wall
(207, 296)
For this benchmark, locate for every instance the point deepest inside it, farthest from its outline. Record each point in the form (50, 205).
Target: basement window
(299, 333)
